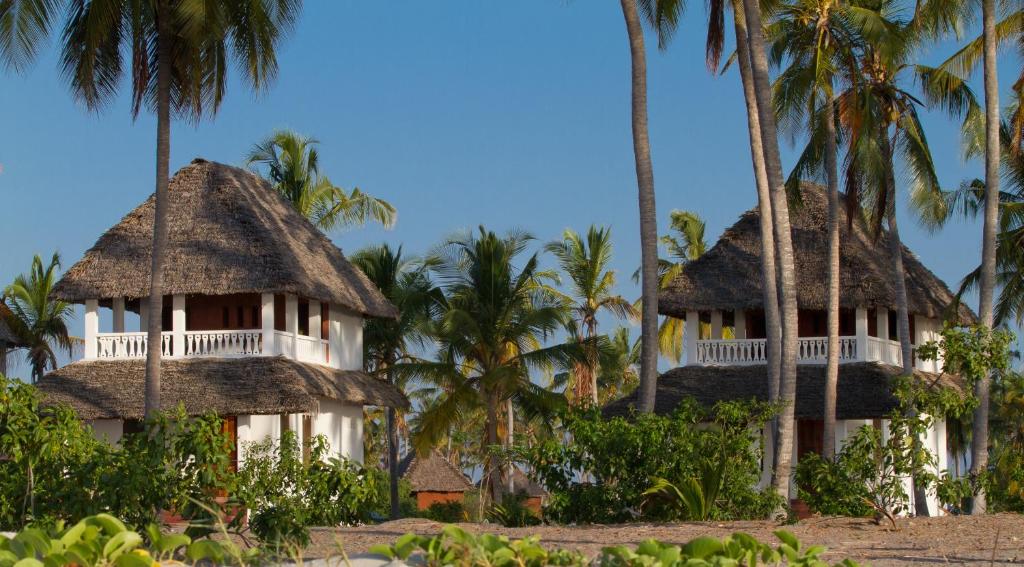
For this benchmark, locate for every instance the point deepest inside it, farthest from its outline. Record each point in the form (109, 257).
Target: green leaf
(788, 538)
(703, 547)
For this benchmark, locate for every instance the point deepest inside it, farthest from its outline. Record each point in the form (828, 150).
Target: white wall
(342, 424)
(255, 429)
(109, 430)
(346, 339)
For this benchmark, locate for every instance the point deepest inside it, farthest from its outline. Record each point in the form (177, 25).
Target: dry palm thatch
(227, 386)
(230, 232)
(865, 388)
(728, 276)
(432, 472)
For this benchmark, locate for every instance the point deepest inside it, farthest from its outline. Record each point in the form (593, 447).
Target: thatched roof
(522, 483)
(7, 337)
(228, 386)
(230, 232)
(432, 473)
(728, 276)
(865, 389)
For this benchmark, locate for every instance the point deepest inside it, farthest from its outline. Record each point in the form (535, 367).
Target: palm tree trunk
(492, 472)
(392, 433)
(773, 322)
(592, 361)
(987, 283)
(784, 246)
(648, 220)
(832, 362)
(160, 229)
(899, 280)
(510, 481)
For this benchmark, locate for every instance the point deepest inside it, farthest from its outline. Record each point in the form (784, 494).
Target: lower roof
(865, 389)
(432, 472)
(114, 389)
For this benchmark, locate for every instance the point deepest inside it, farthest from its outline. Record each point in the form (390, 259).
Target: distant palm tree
(617, 374)
(489, 335)
(39, 321)
(648, 210)
(685, 243)
(292, 164)
(179, 51)
(387, 342)
(586, 261)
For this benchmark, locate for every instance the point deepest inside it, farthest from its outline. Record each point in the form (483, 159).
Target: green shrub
(286, 496)
(57, 471)
(454, 546)
(102, 540)
(445, 512)
(512, 512)
(621, 457)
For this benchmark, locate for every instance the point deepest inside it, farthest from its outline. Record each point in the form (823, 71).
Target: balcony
(315, 333)
(221, 344)
(810, 350)
(867, 345)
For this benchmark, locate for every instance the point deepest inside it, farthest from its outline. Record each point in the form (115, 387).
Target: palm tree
(685, 243)
(964, 62)
(489, 335)
(819, 43)
(178, 65)
(776, 241)
(387, 342)
(38, 321)
(648, 211)
(617, 374)
(292, 165)
(586, 262)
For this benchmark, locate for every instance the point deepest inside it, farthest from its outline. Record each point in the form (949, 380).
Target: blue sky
(463, 112)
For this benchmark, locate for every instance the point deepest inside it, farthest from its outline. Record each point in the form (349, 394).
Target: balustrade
(129, 345)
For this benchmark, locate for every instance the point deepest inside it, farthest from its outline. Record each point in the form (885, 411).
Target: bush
(104, 540)
(512, 512)
(454, 546)
(620, 458)
(445, 512)
(57, 471)
(286, 496)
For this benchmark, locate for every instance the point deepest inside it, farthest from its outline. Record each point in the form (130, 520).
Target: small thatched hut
(433, 479)
(262, 318)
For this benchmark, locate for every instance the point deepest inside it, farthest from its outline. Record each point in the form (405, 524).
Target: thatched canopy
(432, 473)
(114, 389)
(728, 276)
(230, 232)
(7, 337)
(865, 389)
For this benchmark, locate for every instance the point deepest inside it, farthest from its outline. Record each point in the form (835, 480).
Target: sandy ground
(987, 540)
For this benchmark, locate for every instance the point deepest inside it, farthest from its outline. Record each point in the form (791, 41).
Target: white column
(882, 322)
(315, 330)
(716, 324)
(739, 318)
(691, 333)
(861, 322)
(118, 308)
(267, 320)
(143, 314)
(178, 324)
(291, 322)
(92, 326)
(334, 337)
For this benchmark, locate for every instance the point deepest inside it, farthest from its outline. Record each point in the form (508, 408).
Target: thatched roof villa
(723, 289)
(8, 339)
(262, 317)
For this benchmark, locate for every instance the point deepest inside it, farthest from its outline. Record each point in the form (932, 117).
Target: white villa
(725, 356)
(262, 318)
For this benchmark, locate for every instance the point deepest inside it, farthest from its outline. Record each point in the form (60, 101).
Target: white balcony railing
(129, 345)
(223, 343)
(195, 344)
(810, 350)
